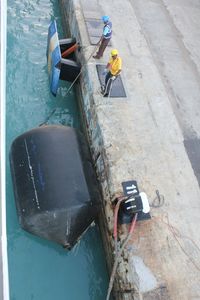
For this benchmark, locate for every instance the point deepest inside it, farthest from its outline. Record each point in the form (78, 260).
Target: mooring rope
(118, 251)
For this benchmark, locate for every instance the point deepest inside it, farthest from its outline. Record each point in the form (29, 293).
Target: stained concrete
(142, 137)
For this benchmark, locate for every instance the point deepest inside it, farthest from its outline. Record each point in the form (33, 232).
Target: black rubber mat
(192, 146)
(93, 13)
(118, 90)
(95, 29)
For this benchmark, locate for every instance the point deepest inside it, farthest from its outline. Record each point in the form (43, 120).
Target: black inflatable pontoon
(54, 184)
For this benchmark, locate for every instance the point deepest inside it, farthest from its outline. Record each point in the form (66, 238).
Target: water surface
(39, 269)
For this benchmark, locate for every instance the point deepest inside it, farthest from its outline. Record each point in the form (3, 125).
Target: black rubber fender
(55, 186)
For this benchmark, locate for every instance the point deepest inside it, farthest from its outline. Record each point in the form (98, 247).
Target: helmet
(105, 19)
(114, 52)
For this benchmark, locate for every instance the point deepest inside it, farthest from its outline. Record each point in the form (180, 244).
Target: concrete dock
(151, 136)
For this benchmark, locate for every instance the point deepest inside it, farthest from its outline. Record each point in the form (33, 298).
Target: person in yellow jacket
(112, 70)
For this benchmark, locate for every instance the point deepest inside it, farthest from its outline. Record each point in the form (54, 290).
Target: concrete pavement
(151, 136)
(174, 50)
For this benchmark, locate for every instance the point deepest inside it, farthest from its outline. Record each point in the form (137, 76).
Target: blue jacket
(107, 30)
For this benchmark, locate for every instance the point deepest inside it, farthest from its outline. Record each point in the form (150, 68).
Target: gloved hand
(113, 77)
(105, 72)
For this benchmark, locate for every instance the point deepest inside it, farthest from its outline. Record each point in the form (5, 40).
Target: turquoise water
(38, 269)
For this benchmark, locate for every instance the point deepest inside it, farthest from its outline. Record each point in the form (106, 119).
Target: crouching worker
(112, 70)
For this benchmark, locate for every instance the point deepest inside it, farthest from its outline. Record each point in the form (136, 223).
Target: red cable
(132, 227)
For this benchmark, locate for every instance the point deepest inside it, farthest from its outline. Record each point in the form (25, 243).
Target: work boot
(96, 56)
(103, 93)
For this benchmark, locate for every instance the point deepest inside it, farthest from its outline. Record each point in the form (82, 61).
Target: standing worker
(105, 38)
(112, 70)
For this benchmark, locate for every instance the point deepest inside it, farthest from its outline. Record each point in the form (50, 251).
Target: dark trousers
(102, 47)
(108, 84)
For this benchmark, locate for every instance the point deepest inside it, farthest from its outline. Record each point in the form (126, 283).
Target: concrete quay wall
(73, 24)
(139, 138)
